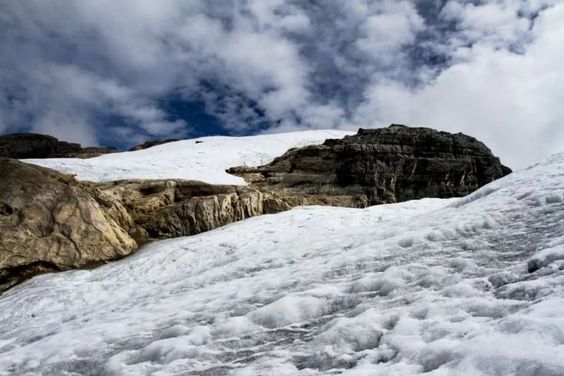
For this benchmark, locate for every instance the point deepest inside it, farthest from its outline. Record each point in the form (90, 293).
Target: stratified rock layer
(381, 166)
(171, 208)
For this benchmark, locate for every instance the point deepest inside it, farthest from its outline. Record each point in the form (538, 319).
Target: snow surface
(471, 286)
(204, 159)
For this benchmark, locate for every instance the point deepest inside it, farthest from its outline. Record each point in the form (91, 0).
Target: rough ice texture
(204, 159)
(442, 287)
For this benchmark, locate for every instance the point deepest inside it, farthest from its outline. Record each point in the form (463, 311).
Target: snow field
(204, 159)
(471, 286)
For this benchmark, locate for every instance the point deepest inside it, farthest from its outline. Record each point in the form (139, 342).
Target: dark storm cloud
(100, 70)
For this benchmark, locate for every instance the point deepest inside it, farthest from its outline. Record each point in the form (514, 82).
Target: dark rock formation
(381, 166)
(31, 145)
(151, 143)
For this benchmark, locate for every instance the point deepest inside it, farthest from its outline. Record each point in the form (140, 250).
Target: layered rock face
(379, 166)
(31, 145)
(172, 208)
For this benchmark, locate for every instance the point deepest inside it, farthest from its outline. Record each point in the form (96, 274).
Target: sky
(119, 72)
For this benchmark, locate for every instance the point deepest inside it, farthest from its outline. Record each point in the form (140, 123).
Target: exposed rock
(31, 145)
(170, 208)
(204, 213)
(151, 143)
(381, 166)
(48, 222)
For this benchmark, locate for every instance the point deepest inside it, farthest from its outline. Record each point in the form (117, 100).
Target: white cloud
(495, 23)
(386, 32)
(296, 23)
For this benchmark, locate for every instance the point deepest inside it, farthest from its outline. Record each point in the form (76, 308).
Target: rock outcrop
(171, 208)
(31, 145)
(50, 222)
(379, 166)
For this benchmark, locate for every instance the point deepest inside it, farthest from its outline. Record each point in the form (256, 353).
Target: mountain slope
(462, 286)
(51, 222)
(204, 159)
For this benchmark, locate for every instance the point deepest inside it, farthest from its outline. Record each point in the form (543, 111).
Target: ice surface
(471, 286)
(204, 159)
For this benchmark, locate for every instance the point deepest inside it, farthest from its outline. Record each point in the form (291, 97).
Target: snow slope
(204, 159)
(471, 286)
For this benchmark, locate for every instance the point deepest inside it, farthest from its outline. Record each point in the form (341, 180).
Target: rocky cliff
(50, 222)
(384, 165)
(31, 145)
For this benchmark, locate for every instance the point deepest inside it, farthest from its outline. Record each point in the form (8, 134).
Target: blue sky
(118, 72)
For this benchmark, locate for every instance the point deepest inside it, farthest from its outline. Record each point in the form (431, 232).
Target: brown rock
(48, 222)
(170, 208)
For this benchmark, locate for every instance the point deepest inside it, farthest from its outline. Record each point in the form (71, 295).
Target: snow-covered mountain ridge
(470, 286)
(204, 159)
(53, 222)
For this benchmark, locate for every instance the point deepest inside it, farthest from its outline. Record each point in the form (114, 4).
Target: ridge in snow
(204, 159)
(471, 286)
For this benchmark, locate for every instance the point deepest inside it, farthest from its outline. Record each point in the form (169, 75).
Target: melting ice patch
(443, 287)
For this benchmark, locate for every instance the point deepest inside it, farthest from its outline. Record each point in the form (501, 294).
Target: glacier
(466, 286)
